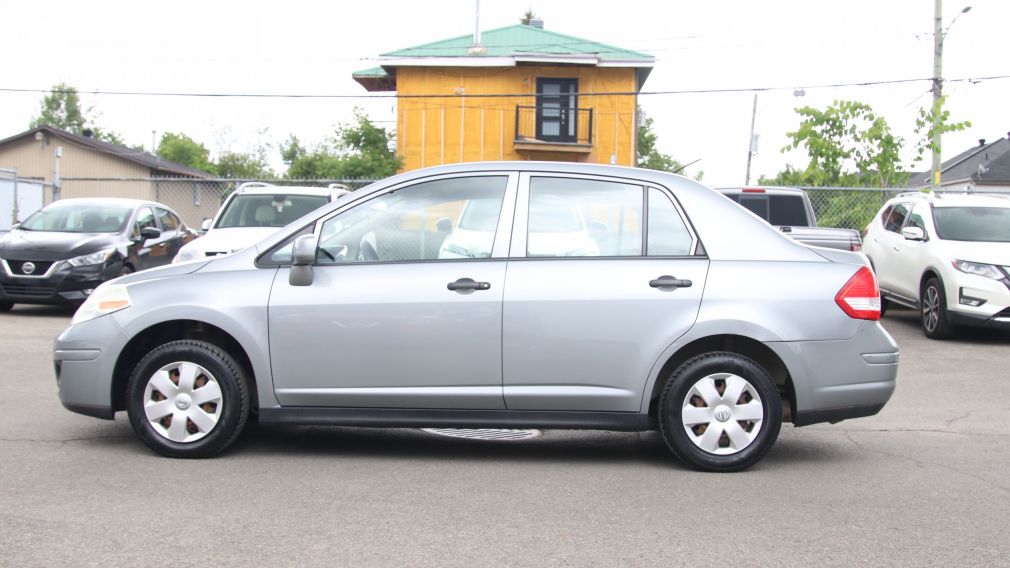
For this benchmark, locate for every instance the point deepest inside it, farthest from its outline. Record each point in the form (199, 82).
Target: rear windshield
(776, 209)
(982, 224)
(273, 210)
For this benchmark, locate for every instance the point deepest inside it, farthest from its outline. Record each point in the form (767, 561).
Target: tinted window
(896, 219)
(757, 204)
(419, 222)
(667, 235)
(984, 224)
(788, 210)
(577, 218)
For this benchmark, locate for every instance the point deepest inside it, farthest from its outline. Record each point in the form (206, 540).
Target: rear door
(596, 290)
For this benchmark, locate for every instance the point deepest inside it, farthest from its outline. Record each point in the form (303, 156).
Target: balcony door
(557, 114)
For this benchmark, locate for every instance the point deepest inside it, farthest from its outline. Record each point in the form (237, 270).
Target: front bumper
(838, 380)
(63, 285)
(84, 359)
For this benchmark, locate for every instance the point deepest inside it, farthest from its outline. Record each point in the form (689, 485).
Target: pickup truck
(789, 210)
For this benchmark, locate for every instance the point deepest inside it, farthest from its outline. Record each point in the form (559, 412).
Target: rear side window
(667, 234)
(584, 218)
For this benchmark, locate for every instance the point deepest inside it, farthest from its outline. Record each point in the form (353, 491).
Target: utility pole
(937, 91)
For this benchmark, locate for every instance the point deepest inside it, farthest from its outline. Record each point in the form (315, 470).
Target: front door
(405, 306)
(557, 110)
(594, 294)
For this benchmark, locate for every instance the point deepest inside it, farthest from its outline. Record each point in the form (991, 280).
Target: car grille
(41, 266)
(28, 290)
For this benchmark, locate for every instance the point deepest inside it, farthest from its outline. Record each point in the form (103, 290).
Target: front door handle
(468, 284)
(669, 282)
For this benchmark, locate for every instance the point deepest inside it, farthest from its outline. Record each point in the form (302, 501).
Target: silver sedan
(495, 295)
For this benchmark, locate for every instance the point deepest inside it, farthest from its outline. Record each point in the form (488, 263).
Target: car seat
(91, 222)
(265, 216)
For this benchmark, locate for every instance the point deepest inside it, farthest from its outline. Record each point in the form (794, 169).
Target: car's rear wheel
(933, 309)
(720, 412)
(188, 399)
(6, 306)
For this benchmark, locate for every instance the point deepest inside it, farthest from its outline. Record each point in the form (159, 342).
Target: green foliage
(848, 145)
(184, 150)
(924, 128)
(61, 109)
(243, 165)
(649, 156)
(527, 16)
(358, 150)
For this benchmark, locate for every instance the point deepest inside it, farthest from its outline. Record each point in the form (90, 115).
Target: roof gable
(982, 164)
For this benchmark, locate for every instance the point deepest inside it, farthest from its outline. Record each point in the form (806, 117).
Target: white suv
(947, 255)
(253, 212)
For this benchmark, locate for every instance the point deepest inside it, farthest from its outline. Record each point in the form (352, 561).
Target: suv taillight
(860, 297)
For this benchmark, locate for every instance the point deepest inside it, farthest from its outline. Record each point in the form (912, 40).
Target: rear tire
(188, 399)
(720, 411)
(933, 310)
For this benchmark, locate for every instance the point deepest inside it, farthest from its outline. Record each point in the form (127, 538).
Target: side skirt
(436, 418)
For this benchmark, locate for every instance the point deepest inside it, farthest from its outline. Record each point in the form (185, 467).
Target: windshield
(983, 224)
(76, 217)
(272, 210)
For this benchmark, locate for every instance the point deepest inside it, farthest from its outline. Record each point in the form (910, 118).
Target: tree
(649, 156)
(61, 109)
(924, 128)
(184, 150)
(359, 150)
(848, 145)
(243, 165)
(527, 16)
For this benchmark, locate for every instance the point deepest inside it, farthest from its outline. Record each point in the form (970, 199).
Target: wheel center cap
(182, 402)
(722, 413)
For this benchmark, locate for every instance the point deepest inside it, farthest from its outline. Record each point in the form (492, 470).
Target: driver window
(444, 219)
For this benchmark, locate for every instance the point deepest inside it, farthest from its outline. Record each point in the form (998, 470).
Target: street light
(939, 34)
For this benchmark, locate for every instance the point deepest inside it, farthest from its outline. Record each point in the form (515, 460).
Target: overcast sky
(304, 47)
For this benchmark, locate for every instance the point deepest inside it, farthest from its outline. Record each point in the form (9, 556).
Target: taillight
(855, 246)
(860, 297)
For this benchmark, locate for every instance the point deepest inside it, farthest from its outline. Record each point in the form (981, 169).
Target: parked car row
(494, 295)
(61, 253)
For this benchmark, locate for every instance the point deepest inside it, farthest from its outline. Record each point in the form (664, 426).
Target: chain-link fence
(194, 199)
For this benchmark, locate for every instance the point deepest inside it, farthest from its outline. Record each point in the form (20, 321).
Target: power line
(972, 80)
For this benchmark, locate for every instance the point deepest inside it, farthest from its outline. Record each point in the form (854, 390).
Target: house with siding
(88, 167)
(982, 168)
(515, 93)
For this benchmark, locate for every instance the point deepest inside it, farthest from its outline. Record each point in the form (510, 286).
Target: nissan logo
(28, 267)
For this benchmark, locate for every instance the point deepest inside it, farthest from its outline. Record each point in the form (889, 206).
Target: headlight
(106, 299)
(187, 254)
(978, 269)
(94, 258)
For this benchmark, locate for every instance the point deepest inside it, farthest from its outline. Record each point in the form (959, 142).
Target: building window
(557, 110)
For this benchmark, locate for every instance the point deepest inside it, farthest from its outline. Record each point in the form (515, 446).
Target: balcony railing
(553, 124)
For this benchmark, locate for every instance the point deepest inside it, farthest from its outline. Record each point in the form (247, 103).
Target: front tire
(720, 412)
(188, 399)
(933, 309)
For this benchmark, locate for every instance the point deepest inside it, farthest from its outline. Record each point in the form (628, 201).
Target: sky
(300, 47)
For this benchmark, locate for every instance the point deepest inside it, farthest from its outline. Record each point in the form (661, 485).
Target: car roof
(959, 199)
(120, 201)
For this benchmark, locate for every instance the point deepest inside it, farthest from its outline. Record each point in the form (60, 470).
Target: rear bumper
(838, 380)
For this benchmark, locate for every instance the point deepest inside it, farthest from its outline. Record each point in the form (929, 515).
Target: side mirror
(205, 226)
(913, 234)
(148, 233)
(303, 255)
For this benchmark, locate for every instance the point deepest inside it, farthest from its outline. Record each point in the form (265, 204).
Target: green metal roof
(519, 38)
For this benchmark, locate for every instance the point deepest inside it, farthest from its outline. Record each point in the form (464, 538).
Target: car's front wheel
(720, 412)
(933, 308)
(188, 399)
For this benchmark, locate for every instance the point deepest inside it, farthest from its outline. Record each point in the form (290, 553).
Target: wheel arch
(739, 344)
(158, 334)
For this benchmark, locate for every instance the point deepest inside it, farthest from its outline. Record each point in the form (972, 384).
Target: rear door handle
(669, 282)
(468, 284)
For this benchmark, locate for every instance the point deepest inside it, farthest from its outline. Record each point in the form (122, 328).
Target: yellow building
(516, 93)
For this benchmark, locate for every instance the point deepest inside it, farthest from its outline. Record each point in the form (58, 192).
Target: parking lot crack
(962, 417)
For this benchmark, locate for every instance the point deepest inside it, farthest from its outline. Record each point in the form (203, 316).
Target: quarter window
(668, 234)
(583, 218)
(444, 219)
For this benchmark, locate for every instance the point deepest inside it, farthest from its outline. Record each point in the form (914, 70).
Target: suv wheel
(933, 306)
(188, 399)
(720, 412)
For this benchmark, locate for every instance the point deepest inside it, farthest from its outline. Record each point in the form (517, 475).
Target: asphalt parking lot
(924, 483)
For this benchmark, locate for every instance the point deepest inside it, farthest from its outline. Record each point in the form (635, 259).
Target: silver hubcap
(182, 401)
(931, 308)
(722, 414)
